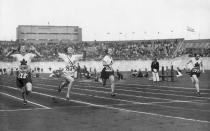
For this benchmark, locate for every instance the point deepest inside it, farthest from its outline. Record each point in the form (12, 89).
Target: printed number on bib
(22, 75)
(69, 68)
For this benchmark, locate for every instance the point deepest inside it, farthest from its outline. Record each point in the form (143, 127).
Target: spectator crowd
(94, 50)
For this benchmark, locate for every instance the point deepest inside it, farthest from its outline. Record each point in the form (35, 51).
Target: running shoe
(198, 94)
(24, 102)
(67, 98)
(113, 94)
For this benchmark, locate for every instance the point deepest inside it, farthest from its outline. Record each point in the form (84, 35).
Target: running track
(165, 103)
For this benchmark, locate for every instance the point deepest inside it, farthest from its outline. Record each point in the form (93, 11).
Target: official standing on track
(155, 70)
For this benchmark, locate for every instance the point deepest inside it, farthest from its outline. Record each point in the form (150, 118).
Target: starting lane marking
(45, 107)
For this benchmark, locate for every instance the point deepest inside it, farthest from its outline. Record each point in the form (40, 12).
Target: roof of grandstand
(200, 43)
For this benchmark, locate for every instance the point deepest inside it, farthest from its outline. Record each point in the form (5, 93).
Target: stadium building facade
(48, 34)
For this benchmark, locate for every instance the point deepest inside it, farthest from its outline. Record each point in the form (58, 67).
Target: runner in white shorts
(69, 71)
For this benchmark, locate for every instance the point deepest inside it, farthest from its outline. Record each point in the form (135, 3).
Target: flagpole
(132, 38)
(158, 35)
(172, 34)
(145, 33)
(107, 34)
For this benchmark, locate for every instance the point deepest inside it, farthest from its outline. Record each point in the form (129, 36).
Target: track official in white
(195, 71)
(69, 71)
(23, 78)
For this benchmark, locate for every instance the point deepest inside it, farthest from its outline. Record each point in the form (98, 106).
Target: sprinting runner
(108, 72)
(23, 77)
(195, 71)
(69, 72)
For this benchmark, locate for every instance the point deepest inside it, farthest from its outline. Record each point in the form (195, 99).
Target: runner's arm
(35, 51)
(10, 52)
(190, 61)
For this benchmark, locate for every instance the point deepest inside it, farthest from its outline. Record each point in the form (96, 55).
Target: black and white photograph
(104, 65)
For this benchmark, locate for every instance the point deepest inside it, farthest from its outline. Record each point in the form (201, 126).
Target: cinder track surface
(137, 106)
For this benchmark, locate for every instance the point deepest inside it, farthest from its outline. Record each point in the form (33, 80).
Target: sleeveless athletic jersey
(23, 69)
(107, 62)
(196, 63)
(27, 57)
(196, 67)
(70, 63)
(107, 71)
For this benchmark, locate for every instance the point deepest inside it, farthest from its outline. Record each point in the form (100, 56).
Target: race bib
(22, 75)
(69, 68)
(109, 69)
(196, 70)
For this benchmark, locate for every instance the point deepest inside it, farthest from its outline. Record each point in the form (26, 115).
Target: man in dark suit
(155, 70)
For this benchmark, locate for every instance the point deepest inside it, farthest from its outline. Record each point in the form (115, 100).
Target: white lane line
(152, 89)
(16, 110)
(170, 87)
(126, 110)
(115, 99)
(134, 102)
(122, 94)
(192, 101)
(200, 98)
(45, 107)
(140, 84)
(127, 90)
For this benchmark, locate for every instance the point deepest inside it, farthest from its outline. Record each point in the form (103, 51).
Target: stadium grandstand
(201, 46)
(123, 50)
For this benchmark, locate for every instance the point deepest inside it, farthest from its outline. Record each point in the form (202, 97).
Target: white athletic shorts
(155, 76)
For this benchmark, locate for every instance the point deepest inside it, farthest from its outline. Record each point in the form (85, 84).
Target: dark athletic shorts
(106, 73)
(22, 79)
(195, 71)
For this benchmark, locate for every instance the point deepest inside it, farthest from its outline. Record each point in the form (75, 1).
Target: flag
(190, 29)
